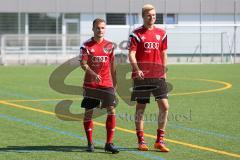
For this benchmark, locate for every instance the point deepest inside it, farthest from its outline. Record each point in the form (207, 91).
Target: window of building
(9, 23)
(171, 19)
(159, 18)
(72, 15)
(72, 23)
(45, 23)
(132, 19)
(22, 20)
(116, 18)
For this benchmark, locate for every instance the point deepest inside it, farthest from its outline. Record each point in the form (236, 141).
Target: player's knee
(88, 114)
(164, 107)
(111, 110)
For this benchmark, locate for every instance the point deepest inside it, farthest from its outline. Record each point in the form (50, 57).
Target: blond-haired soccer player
(97, 60)
(148, 57)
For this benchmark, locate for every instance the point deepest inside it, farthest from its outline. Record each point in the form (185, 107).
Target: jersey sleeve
(164, 42)
(112, 54)
(133, 41)
(83, 53)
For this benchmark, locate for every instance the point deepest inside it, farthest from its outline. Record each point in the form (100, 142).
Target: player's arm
(85, 66)
(165, 57)
(113, 68)
(164, 53)
(133, 43)
(114, 73)
(133, 61)
(87, 69)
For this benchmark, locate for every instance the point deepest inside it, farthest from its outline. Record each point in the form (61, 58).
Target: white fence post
(26, 40)
(2, 54)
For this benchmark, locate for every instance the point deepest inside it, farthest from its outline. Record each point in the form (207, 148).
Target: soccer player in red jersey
(148, 57)
(97, 60)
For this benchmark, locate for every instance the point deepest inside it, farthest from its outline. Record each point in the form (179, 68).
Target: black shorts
(103, 97)
(142, 90)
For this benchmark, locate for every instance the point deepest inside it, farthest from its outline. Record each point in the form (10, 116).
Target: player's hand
(140, 75)
(115, 87)
(98, 78)
(165, 76)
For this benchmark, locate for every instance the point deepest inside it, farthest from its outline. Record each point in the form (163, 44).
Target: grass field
(204, 119)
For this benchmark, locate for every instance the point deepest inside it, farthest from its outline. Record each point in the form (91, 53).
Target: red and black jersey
(99, 57)
(149, 45)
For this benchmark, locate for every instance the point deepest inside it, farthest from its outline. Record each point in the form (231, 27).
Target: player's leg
(161, 97)
(163, 113)
(163, 106)
(110, 128)
(139, 123)
(109, 102)
(89, 104)
(88, 126)
(110, 124)
(141, 94)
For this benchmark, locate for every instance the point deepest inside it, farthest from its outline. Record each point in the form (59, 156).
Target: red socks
(88, 126)
(140, 136)
(160, 135)
(110, 127)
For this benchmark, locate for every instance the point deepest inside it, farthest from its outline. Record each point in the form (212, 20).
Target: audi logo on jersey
(99, 59)
(151, 45)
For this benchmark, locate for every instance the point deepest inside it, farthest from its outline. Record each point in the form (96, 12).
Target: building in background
(200, 31)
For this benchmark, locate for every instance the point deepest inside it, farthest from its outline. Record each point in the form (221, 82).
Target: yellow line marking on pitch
(39, 100)
(27, 108)
(226, 86)
(127, 130)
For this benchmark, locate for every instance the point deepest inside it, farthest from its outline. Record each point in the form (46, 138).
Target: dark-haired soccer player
(148, 57)
(97, 60)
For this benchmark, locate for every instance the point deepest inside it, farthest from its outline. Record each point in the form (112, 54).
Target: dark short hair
(98, 20)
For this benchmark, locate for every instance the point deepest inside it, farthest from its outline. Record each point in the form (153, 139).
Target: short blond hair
(146, 8)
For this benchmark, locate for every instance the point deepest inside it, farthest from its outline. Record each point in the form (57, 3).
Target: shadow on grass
(136, 149)
(29, 149)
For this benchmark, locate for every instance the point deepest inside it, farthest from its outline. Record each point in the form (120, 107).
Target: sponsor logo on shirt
(99, 58)
(151, 45)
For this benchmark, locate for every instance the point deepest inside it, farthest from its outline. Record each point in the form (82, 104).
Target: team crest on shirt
(158, 37)
(107, 50)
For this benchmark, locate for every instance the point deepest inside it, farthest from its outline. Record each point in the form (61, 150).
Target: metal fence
(187, 44)
(199, 31)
